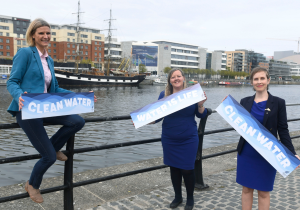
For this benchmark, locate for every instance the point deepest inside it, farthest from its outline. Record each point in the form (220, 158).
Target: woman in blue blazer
(253, 171)
(33, 72)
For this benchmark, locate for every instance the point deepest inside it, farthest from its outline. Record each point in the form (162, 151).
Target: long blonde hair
(37, 23)
(169, 88)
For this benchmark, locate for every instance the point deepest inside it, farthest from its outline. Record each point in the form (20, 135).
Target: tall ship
(113, 75)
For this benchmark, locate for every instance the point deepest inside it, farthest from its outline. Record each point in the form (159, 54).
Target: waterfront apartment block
(280, 70)
(114, 50)
(218, 60)
(12, 35)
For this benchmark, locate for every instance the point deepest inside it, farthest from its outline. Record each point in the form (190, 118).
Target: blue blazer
(274, 120)
(27, 74)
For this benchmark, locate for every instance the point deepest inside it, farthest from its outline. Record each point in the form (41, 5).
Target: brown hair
(169, 88)
(259, 69)
(37, 23)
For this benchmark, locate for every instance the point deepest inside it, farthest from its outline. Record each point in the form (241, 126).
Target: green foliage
(296, 77)
(167, 70)
(142, 68)
(233, 74)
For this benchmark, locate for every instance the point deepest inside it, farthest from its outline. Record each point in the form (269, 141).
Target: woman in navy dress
(180, 140)
(253, 171)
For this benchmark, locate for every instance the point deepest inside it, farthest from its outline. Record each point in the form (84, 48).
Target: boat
(118, 77)
(160, 81)
(4, 76)
(231, 83)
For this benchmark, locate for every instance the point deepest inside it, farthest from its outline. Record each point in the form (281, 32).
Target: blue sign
(146, 55)
(41, 105)
(167, 105)
(262, 140)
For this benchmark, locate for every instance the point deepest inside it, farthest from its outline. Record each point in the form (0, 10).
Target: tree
(167, 70)
(142, 68)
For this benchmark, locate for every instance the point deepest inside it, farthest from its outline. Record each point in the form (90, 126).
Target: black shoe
(188, 207)
(174, 203)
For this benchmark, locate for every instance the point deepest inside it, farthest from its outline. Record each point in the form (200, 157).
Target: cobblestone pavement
(223, 194)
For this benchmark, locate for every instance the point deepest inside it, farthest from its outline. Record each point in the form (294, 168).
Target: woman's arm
(19, 68)
(161, 95)
(282, 126)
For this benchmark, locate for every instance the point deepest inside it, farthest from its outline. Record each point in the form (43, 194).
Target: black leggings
(189, 180)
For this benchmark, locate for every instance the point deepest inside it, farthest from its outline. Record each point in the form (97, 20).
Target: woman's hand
(224, 98)
(95, 98)
(298, 159)
(20, 101)
(200, 104)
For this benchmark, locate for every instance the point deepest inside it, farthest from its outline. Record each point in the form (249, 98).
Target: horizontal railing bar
(115, 176)
(218, 154)
(25, 195)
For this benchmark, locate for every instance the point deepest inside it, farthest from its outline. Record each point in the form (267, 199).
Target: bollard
(199, 183)
(68, 175)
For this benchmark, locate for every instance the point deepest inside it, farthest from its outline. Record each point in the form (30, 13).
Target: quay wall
(98, 194)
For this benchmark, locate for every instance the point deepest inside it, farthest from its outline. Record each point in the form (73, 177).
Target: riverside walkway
(153, 190)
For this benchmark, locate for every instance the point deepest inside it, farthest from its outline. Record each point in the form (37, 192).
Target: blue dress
(253, 171)
(179, 137)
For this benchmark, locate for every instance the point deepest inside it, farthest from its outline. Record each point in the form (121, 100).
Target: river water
(116, 101)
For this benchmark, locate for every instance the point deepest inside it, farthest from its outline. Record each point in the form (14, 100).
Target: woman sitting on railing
(180, 140)
(33, 72)
(253, 171)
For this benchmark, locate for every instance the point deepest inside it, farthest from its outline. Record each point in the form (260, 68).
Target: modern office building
(279, 70)
(115, 52)
(295, 69)
(218, 60)
(171, 54)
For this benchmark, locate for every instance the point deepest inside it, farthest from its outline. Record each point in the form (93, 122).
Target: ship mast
(109, 41)
(78, 36)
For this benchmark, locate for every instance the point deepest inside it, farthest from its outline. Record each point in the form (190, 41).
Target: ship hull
(72, 79)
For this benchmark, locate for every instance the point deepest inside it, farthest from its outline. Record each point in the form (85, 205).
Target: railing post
(68, 175)
(199, 184)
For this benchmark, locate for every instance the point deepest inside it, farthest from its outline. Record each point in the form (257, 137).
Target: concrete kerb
(153, 186)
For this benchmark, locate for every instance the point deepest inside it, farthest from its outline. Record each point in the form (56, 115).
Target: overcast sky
(212, 24)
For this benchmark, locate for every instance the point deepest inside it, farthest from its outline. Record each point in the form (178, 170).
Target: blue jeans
(38, 137)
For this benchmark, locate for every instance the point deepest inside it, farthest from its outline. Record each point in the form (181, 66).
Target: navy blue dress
(179, 137)
(253, 171)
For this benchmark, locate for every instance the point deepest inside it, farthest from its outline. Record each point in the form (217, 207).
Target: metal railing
(68, 185)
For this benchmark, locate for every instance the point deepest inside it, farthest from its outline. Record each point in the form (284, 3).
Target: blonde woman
(33, 72)
(180, 140)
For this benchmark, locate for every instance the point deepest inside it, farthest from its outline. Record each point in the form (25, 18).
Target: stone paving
(223, 194)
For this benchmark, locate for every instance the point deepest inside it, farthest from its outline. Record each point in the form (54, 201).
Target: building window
(24, 29)
(18, 42)
(68, 51)
(54, 39)
(68, 39)
(7, 40)
(1, 53)
(4, 27)
(81, 41)
(86, 53)
(81, 58)
(54, 56)
(1, 40)
(18, 35)
(73, 51)
(99, 54)
(98, 37)
(81, 46)
(95, 59)
(86, 58)
(68, 45)
(73, 45)
(95, 53)
(49, 50)
(95, 48)
(86, 47)
(53, 27)
(69, 28)
(73, 57)
(18, 29)
(8, 54)
(3, 20)
(73, 40)
(1, 33)
(95, 31)
(54, 51)
(54, 33)
(18, 22)
(84, 36)
(24, 24)
(1, 46)
(86, 41)
(24, 42)
(71, 34)
(18, 47)
(49, 45)
(7, 34)
(54, 45)
(95, 42)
